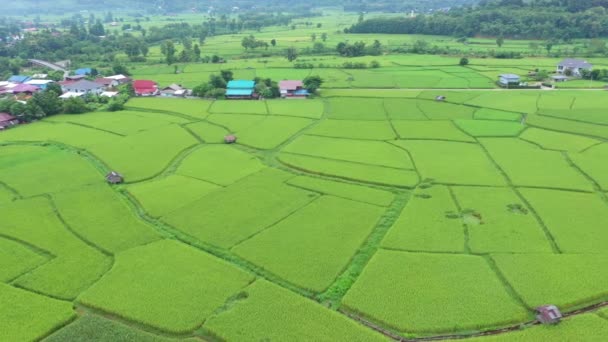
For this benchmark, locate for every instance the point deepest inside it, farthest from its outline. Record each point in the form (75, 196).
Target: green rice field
(360, 215)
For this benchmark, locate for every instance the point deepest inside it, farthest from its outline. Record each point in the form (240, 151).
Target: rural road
(50, 66)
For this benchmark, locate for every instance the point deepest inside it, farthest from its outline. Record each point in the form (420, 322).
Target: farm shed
(230, 139)
(174, 90)
(293, 90)
(509, 79)
(114, 178)
(7, 120)
(240, 89)
(548, 314)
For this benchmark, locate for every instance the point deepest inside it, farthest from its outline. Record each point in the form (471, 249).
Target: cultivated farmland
(356, 216)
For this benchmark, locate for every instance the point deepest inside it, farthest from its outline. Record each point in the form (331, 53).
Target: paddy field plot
(136, 287)
(430, 222)
(577, 221)
(267, 311)
(399, 289)
(19, 306)
(528, 273)
(312, 246)
(528, 165)
(423, 217)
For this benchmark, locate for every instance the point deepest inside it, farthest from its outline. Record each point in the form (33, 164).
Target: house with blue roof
(19, 79)
(83, 71)
(240, 89)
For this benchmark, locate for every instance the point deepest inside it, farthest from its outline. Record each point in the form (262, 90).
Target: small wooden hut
(548, 314)
(440, 98)
(230, 139)
(114, 178)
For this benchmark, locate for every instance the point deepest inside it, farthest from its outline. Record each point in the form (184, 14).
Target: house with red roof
(7, 120)
(145, 88)
(293, 90)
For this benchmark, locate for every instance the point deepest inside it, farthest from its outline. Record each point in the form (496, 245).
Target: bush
(464, 61)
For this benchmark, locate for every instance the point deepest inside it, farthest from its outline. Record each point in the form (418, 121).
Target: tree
(319, 25)
(313, 37)
(313, 83)
(541, 75)
(75, 105)
(168, 49)
(54, 88)
(291, 54)
(48, 102)
(217, 81)
(500, 41)
(273, 42)
(318, 47)
(324, 36)
(549, 46)
(197, 52)
(227, 75)
(120, 69)
(464, 61)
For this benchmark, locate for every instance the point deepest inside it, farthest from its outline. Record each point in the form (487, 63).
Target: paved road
(50, 66)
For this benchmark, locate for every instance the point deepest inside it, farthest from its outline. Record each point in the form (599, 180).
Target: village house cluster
(567, 69)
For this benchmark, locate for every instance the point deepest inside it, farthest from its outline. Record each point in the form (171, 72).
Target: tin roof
(239, 92)
(290, 85)
(241, 84)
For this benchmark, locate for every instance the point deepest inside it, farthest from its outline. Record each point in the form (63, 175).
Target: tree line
(537, 19)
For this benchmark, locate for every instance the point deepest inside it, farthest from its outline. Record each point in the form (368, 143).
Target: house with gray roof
(83, 87)
(573, 67)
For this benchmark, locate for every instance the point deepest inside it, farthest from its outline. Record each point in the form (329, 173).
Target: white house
(509, 79)
(83, 87)
(574, 66)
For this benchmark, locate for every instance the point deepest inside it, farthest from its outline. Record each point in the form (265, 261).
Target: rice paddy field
(356, 216)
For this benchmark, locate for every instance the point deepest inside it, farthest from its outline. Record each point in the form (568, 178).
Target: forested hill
(540, 19)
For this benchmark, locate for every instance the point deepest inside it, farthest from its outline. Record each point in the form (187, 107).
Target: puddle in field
(517, 209)
(469, 217)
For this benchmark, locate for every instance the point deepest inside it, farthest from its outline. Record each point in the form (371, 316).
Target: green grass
(430, 130)
(236, 122)
(593, 163)
(344, 190)
(506, 224)
(17, 259)
(530, 276)
(558, 141)
(356, 151)
(96, 328)
(219, 164)
(144, 155)
(311, 247)
(528, 165)
(588, 115)
(453, 162)
(42, 314)
(209, 133)
(262, 199)
(576, 220)
(355, 109)
(351, 129)
(445, 111)
(192, 108)
(77, 136)
(568, 126)
(490, 128)
(122, 122)
(425, 224)
(75, 265)
(272, 132)
(271, 313)
(91, 211)
(138, 286)
(587, 327)
(33, 170)
(239, 107)
(351, 171)
(400, 290)
(404, 109)
(157, 197)
(312, 109)
(499, 115)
